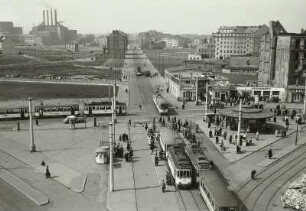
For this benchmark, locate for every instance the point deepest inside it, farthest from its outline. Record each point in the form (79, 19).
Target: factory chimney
(47, 18)
(51, 17)
(44, 18)
(55, 17)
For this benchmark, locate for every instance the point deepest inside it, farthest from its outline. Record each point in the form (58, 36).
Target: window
(275, 92)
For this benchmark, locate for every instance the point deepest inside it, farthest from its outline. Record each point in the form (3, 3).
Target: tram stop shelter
(252, 119)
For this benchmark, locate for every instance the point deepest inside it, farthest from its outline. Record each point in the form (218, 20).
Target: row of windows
(230, 46)
(232, 35)
(234, 42)
(184, 174)
(230, 51)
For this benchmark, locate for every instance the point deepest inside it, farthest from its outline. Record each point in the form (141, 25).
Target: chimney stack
(47, 18)
(51, 17)
(44, 18)
(55, 17)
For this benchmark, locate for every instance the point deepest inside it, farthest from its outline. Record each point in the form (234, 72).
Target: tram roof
(46, 105)
(246, 113)
(217, 187)
(170, 137)
(179, 156)
(197, 156)
(104, 103)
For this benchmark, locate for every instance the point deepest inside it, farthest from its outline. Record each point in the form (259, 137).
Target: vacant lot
(22, 91)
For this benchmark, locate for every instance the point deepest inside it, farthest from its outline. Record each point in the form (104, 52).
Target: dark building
(145, 40)
(14, 33)
(52, 32)
(117, 43)
(283, 62)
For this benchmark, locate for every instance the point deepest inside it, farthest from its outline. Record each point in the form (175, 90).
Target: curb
(36, 196)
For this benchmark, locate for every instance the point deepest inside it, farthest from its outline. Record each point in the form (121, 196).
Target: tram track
(189, 200)
(253, 190)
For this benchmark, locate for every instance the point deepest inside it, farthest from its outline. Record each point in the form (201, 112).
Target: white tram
(198, 160)
(213, 189)
(161, 104)
(104, 107)
(179, 166)
(55, 110)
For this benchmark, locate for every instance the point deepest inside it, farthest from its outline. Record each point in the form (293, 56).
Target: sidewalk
(137, 184)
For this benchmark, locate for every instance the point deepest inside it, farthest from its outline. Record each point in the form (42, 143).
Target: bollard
(18, 126)
(95, 122)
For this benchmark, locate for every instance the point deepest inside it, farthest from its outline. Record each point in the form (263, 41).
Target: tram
(14, 113)
(104, 107)
(198, 160)
(55, 110)
(168, 138)
(161, 104)
(179, 165)
(213, 190)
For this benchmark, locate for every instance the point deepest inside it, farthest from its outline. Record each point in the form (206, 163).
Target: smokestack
(51, 17)
(47, 18)
(55, 17)
(44, 17)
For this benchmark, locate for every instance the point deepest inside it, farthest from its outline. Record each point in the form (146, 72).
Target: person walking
(270, 154)
(163, 186)
(257, 136)
(225, 134)
(253, 172)
(48, 174)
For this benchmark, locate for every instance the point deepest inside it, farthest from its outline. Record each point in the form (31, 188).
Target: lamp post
(32, 145)
(239, 122)
(111, 173)
(304, 107)
(297, 131)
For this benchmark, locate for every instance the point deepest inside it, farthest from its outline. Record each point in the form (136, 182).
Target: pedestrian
(163, 186)
(274, 119)
(43, 163)
(253, 172)
(217, 140)
(225, 134)
(120, 137)
(48, 174)
(270, 153)
(211, 163)
(139, 106)
(237, 149)
(156, 159)
(128, 146)
(210, 134)
(152, 147)
(146, 126)
(257, 136)
(230, 139)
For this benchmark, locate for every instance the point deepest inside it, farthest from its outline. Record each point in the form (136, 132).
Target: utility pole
(239, 121)
(111, 173)
(206, 106)
(297, 131)
(304, 108)
(32, 145)
(197, 89)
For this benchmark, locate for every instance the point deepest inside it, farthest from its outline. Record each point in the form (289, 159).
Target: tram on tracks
(104, 107)
(179, 165)
(161, 104)
(14, 113)
(213, 190)
(168, 138)
(198, 160)
(55, 110)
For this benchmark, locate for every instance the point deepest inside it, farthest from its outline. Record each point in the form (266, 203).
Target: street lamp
(111, 173)
(32, 144)
(297, 130)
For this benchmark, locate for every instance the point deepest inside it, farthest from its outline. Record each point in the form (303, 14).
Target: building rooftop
(247, 112)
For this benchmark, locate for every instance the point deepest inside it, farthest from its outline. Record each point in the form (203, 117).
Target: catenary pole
(32, 144)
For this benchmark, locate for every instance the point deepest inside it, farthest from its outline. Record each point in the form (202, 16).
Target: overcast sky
(171, 16)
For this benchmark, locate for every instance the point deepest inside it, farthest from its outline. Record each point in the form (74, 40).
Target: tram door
(120, 110)
(89, 110)
(22, 113)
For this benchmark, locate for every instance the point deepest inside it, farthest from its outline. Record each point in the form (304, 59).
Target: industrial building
(52, 32)
(9, 30)
(117, 43)
(283, 61)
(238, 40)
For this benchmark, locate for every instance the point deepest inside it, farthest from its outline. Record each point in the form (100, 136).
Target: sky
(168, 16)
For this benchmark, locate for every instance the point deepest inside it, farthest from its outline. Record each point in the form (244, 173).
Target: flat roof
(179, 156)
(247, 113)
(197, 157)
(217, 187)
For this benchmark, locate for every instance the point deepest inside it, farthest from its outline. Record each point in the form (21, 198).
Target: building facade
(145, 40)
(117, 43)
(171, 43)
(207, 50)
(6, 45)
(238, 40)
(9, 30)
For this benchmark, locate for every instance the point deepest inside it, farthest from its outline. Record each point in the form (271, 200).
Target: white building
(171, 43)
(238, 40)
(194, 57)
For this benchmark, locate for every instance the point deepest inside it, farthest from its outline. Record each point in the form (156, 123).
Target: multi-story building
(32, 40)
(14, 33)
(238, 40)
(171, 43)
(145, 40)
(117, 43)
(283, 62)
(207, 50)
